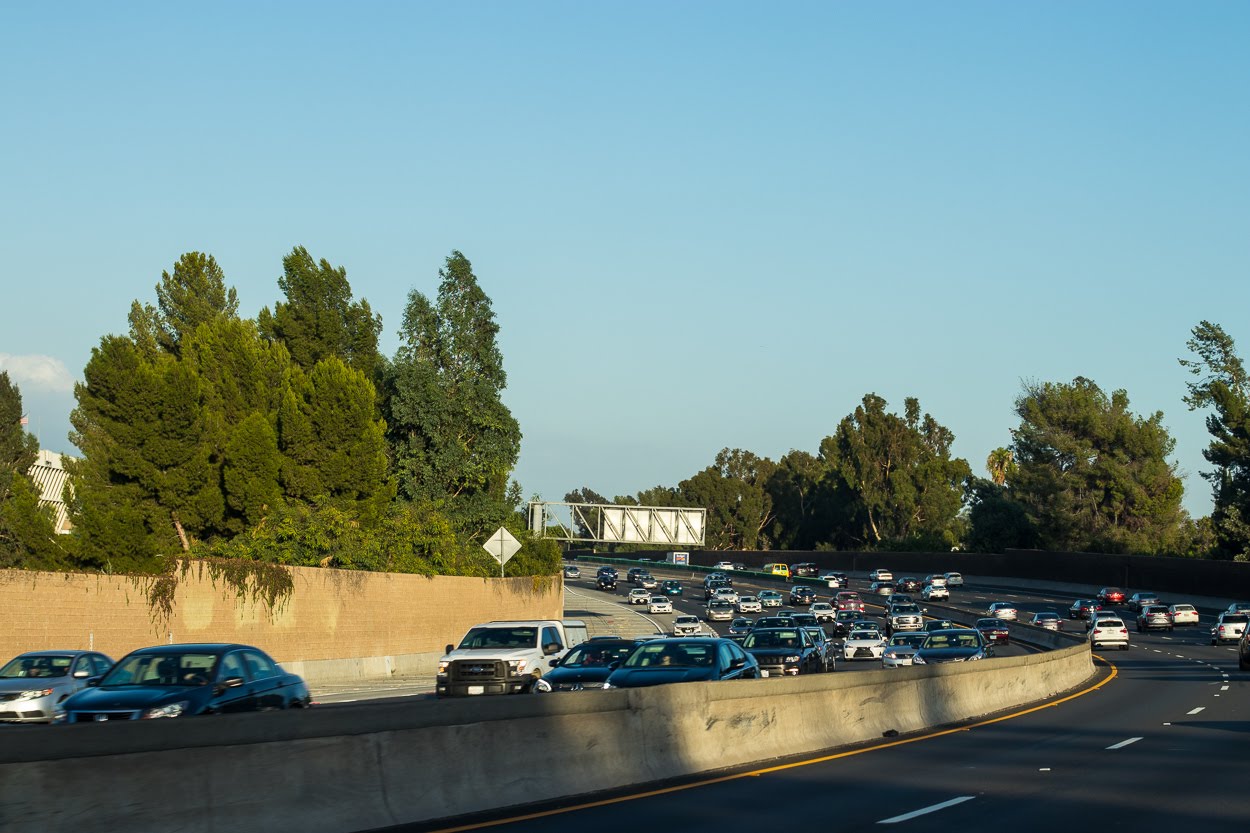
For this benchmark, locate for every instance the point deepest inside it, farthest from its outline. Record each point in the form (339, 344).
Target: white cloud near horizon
(43, 373)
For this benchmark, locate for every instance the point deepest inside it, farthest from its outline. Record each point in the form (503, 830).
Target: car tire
(1124, 647)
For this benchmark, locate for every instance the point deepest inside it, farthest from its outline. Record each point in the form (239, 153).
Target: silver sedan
(34, 683)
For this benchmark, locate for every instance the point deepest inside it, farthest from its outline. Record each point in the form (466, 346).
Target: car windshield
(162, 670)
(772, 639)
(865, 635)
(686, 620)
(685, 654)
(589, 655)
(500, 638)
(990, 623)
(906, 609)
(659, 600)
(952, 640)
(914, 640)
(36, 667)
(1234, 619)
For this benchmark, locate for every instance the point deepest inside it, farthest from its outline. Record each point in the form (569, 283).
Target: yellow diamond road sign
(502, 545)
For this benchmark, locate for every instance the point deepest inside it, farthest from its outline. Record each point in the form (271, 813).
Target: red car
(1111, 596)
(995, 631)
(848, 600)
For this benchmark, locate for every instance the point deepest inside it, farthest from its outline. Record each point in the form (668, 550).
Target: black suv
(606, 581)
(804, 569)
(784, 652)
(802, 595)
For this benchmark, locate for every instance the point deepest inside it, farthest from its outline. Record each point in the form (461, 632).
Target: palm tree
(1001, 465)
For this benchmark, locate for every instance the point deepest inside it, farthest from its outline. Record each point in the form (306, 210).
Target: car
(710, 588)
(1136, 600)
(1111, 596)
(898, 599)
(1154, 617)
(802, 595)
(954, 579)
(726, 594)
(181, 680)
(941, 625)
(720, 610)
(770, 598)
(1183, 614)
(34, 684)
(774, 622)
(806, 569)
(995, 631)
(1109, 631)
(606, 582)
(671, 587)
(607, 570)
(805, 620)
(1228, 627)
(585, 666)
(572, 571)
(843, 621)
(908, 584)
(935, 592)
(634, 572)
(686, 625)
(1243, 651)
(937, 580)
(901, 648)
(833, 580)
(1047, 619)
(749, 604)
(648, 582)
(1002, 610)
(784, 652)
(660, 604)
(1098, 615)
(882, 588)
(639, 596)
(863, 644)
(881, 574)
(952, 645)
(823, 611)
(1083, 608)
(740, 626)
(723, 565)
(848, 600)
(904, 617)
(1239, 607)
(682, 660)
(715, 577)
(828, 651)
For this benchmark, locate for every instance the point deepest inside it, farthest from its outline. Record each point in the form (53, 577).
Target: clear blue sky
(702, 224)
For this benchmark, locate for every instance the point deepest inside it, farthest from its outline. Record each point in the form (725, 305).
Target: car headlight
(541, 686)
(975, 656)
(918, 660)
(34, 694)
(792, 659)
(442, 666)
(607, 685)
(168, 710)
(517, 666)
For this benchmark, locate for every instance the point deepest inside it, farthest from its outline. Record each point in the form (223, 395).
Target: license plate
(477, 689)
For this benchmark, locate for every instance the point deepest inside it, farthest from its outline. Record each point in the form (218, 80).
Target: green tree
(1221, 386)
(194, 294)
(319, 320)
(454, 441)
(902, 488)
(996, 521)
(27, 535)
(586, 522)
(732, 490)
(1092, 476)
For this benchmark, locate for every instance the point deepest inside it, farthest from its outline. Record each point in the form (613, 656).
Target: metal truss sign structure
(608, 523)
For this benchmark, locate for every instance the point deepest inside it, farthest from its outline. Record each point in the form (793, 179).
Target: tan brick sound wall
(331, 615)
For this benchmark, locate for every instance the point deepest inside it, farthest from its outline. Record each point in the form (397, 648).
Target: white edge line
(924, 811)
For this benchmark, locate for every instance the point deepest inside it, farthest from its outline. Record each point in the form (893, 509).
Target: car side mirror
(614, 664)
(82, 674)
(555, 662)
(738, 662)
(449, 648)
(228, 682)
(552, 648)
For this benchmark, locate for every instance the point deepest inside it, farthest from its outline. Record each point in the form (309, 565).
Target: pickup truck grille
(471, 670)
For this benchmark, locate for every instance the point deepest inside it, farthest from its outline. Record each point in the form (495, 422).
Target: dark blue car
(684, 660)
(586, 666)
(188, 679)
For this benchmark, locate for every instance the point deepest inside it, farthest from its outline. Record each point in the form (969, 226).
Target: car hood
(132, 697)
(640, 677)
(489, 653)
(863, 643)
(36, 684)
(586, 674)
(767, 653)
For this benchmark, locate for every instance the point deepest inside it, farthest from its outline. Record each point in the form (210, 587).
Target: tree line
(1082, 473)
(283, 439)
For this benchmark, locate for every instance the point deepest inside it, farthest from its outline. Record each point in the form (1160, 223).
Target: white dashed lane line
(1195, 711)
(1123, 743)
(926, 810)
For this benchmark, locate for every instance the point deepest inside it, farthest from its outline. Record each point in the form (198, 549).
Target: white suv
(1109, 631)
(1229, 627)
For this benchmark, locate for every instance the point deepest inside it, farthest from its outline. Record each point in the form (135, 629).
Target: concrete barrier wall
(372, 765)
(337, 624)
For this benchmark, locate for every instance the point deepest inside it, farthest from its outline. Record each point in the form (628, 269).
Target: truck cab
(505, 657)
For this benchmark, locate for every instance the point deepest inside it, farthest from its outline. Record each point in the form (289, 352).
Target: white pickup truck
(505, 657)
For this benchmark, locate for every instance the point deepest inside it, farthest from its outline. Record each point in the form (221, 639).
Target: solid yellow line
(780, 767)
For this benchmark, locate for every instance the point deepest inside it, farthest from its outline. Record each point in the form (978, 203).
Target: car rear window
(1235, 618)
(1110, 623)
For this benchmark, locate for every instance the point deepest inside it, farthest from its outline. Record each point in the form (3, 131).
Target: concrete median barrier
(373, 765)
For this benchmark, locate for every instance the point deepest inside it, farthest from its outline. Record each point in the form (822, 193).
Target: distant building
(50, 476)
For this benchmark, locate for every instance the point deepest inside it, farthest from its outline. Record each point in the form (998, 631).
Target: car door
(233, 698)
(267, 691)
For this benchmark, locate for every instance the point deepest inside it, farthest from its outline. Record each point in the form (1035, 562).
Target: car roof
(69, 652)
(185, 647)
